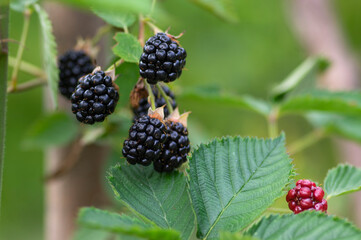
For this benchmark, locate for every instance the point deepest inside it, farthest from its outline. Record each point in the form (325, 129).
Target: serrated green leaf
(233, 180)
(128, 77)
(161, 198)
(117, 19)
(54, 129)
(246, 102)
(127, 48)
(308, 225)
(342, 179)
(84, 233)
(49, 53)
(298, 75)
(111, 222)
(21, 5)
(235, 236)
(221, 8)
(347, 103)
(344, 126)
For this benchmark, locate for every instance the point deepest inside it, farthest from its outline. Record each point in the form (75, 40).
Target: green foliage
(117, 19)
(21, 5)
(229, 178)
(49, 53)
(128, 76)
(221, 8)
(299, 74)
(342, 179)
(114, 223)
(127, 48)
(344, 103)
(83, 233)
(235, 236)
(306, 225)
(54, 129)
(345, 126)
(246, 102)
(160, 198)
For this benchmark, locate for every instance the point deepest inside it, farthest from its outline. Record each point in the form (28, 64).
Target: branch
(27, 85)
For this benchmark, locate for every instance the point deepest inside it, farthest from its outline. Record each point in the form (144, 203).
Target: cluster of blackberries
(144, 105)
(162, 59)
(306, 196)
(72, 66)
(94, 98)
(166, 144)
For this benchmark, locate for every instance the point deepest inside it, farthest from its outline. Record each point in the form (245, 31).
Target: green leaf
(84, 233)
(246, 102)
(348, 103)
(342, 179)
(233, 180)
(54, 129)
(223, 9)
(235, 236)
(111, 222)
(117, 19)
(298, 75)
(49, 53)
(127, 48)
(306, 225)
(161, 198)
(344, 126)
(21, 5)
(128, 76)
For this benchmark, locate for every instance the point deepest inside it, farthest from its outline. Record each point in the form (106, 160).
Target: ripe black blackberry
(94, 98)
(146, 137)
(73, 65)
(176, 147)
(143, 104)
(162, 59)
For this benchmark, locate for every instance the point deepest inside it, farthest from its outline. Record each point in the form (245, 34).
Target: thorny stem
(306, 141)
(100, 33)
(19, 55)
(166, 97)
(150, 93)
(27, 85)
(27, 67)
(116, 64)
(141, 30)
(272, 123)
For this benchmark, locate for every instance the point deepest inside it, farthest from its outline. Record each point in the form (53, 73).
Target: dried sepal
(139, 92)
(111, 73)
(176, 117)
(157, 113)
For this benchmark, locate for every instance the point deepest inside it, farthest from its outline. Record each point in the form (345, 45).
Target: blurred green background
(248, 57)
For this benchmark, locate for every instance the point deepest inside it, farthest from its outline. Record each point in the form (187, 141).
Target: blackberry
(306, 196)
(146, 137)
(162, 59)
(72, 66)
(143, 104)
(175, 149)
(94, 98)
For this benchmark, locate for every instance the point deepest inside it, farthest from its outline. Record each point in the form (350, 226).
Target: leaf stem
(166, 98)
(141, 30)
(116, 64)
(306, 141)
(153, 27)
(272, 122)
(28, 68)
(19, 54)
(100, 33)
(27, 85)
(150, 93)
(152, 7)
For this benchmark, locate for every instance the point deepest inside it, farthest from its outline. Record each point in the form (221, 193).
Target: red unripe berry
(318, 194)
(291, 195)
(306, 183)
(306, 203)
(319, 207)
(304, 192)
(298, 209)
(292, 205)
(324, 203)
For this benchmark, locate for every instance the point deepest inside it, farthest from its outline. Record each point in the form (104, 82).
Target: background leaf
(49, 53)
(306, 225)
(127, 48)
(83, 233)
(117, 19)
(342, 179)
(235, 236)
(161, 198)
(54, 129)
(21, 5)
(111, 222)
(221, 8)
(229, 178)
(128, 77)
(347, 103)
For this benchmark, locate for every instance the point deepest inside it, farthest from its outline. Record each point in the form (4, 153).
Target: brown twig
(141, 30)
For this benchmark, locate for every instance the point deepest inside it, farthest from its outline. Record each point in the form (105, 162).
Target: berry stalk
(19, 54)
(115, 65)
(150, 93)
(28, 68)
(166, 98)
